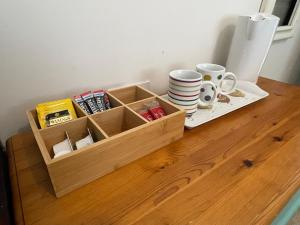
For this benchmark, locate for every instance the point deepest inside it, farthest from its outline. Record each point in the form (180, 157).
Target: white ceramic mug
(225, 81)
(185, 90)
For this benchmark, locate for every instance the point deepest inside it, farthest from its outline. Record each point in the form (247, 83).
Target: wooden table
(237, 170)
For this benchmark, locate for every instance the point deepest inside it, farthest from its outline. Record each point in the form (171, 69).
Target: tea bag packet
(63, 147)
(106, 101)
(155, 109)
(99, 97)
(55, 112)
(82, 104)
(93, 102)
(146, 114)
(90, 101)
(88, 140)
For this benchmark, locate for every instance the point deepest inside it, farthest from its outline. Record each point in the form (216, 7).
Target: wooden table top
(239, 169)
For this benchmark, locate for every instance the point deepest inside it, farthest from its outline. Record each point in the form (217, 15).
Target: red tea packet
(146, 114)
(156, 110)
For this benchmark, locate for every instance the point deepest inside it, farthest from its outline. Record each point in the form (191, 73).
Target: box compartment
(168, 108)
(117, 120)
(76, 131)
(114, 102)
(131, 94)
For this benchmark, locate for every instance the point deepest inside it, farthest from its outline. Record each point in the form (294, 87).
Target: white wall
(283, 61)
(53, 49)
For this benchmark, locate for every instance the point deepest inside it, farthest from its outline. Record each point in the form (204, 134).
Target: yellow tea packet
(55, 112)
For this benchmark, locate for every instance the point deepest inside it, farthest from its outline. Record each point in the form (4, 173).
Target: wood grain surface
(239, 169)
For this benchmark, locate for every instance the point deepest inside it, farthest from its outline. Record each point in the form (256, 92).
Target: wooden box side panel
(32, 118)
(86, 166)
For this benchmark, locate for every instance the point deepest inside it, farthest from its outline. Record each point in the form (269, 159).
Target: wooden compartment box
(121, 136)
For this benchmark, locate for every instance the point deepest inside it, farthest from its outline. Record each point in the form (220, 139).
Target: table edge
(14, 184)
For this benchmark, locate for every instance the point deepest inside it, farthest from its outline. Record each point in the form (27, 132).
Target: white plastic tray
(252, 93)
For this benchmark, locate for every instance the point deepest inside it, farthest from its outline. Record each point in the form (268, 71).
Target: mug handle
(207, 103)
(232, 75)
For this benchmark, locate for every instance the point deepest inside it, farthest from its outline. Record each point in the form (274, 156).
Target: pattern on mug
(206, 93)
(220, 77)
(207, 77)
(207, 98)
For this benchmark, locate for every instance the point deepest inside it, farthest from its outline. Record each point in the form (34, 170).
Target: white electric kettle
(251, 42)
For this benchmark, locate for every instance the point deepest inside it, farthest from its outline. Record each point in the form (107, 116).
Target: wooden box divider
(120, 134)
